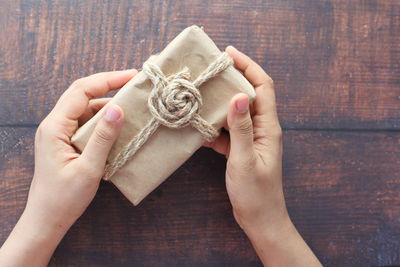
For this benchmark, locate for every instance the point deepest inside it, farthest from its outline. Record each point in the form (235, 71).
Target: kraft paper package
(167, 149)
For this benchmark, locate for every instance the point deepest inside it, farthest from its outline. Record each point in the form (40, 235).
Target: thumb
(103, 137)
(240, 126)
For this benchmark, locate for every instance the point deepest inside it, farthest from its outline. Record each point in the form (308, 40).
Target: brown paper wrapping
(167, 149)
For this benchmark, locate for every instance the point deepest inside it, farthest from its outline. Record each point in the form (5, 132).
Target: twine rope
(174, 102)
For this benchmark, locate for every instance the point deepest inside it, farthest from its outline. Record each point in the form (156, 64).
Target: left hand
(64, 181)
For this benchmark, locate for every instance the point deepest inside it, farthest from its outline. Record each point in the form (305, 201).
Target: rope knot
(174, 102)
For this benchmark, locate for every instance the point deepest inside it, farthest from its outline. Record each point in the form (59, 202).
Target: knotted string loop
(174, 102)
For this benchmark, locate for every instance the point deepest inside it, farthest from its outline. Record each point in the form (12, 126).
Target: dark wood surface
(336, 67)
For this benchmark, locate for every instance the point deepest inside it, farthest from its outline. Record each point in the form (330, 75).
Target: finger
(102, 139)
(220, 145)
(240, 126)
(252, 113)
(260, 80)
(251, 70)
(264, 113)
(94, 106)
(73, 103)
(265, 119)
(265, 106)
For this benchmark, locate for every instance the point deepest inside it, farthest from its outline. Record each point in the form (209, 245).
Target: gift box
(179, 100)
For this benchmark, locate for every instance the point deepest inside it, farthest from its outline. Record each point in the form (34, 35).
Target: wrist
(271, 232)
(41, 229)
(31, 242)
(282, 246)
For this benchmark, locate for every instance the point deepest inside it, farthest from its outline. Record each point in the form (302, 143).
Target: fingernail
(242, 105)
(112, 113)
(232, 47)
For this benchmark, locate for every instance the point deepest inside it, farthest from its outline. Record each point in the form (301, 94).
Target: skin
(65, 182)
(253, 149)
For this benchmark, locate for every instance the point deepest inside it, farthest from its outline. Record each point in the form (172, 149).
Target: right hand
(254, 152)
(254, 171)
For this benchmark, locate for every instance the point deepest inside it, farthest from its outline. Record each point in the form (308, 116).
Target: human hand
(64, 181)
(253, 148)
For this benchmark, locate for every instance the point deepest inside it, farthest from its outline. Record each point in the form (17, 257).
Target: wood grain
(342, 192)
(336, 67)
(336, 64)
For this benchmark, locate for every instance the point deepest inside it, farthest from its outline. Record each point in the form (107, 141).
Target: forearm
(31, 242)
(282, 247)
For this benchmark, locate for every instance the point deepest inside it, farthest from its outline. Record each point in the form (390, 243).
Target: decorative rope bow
(174, 102)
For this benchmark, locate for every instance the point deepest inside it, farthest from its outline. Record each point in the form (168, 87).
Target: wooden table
(336, 66)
